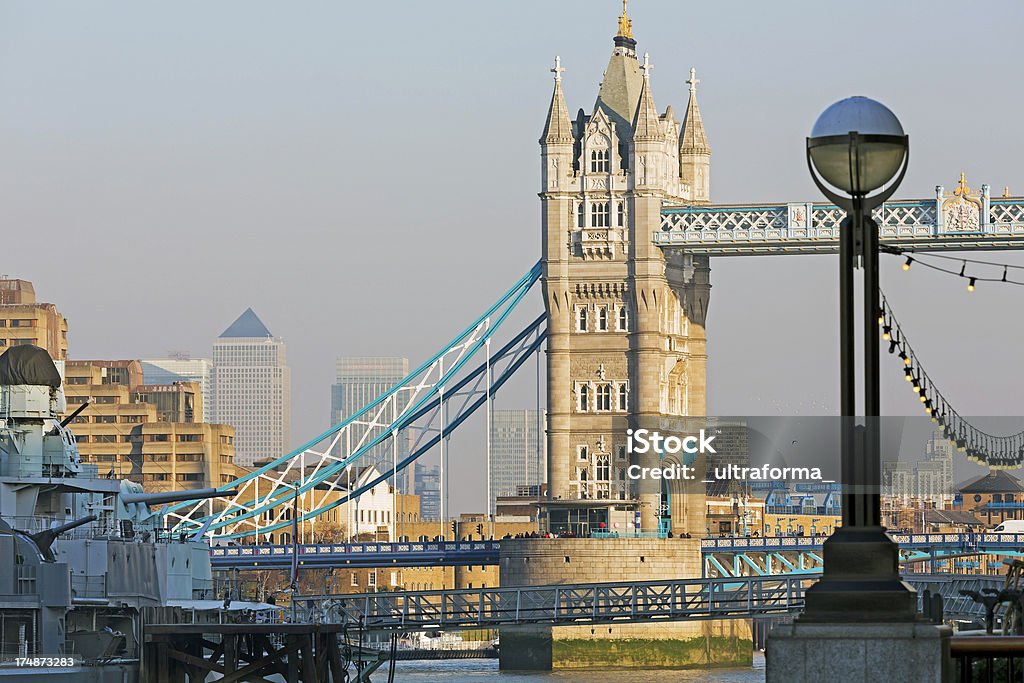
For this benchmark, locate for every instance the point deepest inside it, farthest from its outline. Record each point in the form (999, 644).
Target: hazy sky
(364, 175)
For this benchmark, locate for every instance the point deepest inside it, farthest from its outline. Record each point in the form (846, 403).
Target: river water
(486, 671)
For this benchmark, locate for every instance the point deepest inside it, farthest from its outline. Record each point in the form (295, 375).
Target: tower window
(583, 452)
(604, 470)
(581, 215)
(604, 397)
(602, 318)
(621, 220)
(581, 319)
(622, 324)
(583, 398)
(600, 161)
(623, 397)
(599, 215)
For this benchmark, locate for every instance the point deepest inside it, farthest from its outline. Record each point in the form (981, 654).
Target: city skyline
(211, 171)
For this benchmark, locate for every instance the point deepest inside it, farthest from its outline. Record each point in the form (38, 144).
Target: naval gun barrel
(173, 496)
(71, 418)
(44, 539)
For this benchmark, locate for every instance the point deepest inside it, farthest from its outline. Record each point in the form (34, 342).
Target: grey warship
(82, 557)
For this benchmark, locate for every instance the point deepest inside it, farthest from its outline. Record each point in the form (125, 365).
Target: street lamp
(857, 146)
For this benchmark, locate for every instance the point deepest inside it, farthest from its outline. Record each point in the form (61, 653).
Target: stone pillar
(646, 340)
(555, 279)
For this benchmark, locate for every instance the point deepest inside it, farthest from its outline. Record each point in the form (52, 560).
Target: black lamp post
(857, 146)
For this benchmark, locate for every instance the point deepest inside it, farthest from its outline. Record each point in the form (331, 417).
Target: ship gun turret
(44, 539)
(134, 502)
(159, 497)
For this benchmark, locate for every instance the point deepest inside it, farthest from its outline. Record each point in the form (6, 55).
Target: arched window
(583, 399)
(602, 318)
(621, 220)
(599, 215)
(604, 470)
(581, 215)
(604, 397)
(623, 397)
(581, 319)
(622, 324)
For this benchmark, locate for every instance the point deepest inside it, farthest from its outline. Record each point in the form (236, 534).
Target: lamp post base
(861, 581)
(858, 653)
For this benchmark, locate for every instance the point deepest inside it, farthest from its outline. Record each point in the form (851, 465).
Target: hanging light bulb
(906, 266)
(892, 346)
(970, 285)
(908, 374)
(924, 398)
(917, 385)
(887, 332)
(881, 316)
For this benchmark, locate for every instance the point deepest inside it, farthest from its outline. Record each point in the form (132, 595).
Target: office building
(25, 321)
(517, 453)
(146, 432)
(358, 382)
(182, 368)
(427, 482)
(252, 389)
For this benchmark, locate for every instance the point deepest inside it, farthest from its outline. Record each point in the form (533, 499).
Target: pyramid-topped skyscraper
(252, 389)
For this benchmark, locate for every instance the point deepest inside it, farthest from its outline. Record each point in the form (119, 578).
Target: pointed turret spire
(558, 128)
(625, 24)
(693, 139)
(647, 123)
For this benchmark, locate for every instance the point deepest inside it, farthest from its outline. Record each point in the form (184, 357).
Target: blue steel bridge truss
(431, 402)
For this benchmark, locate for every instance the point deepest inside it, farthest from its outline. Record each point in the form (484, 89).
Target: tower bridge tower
(626, 342)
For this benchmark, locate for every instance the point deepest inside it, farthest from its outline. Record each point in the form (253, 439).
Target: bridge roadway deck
(597, 603)
(451, 553)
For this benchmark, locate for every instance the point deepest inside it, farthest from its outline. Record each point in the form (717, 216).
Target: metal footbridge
(765, 556)
(596, 603)
(962, 220)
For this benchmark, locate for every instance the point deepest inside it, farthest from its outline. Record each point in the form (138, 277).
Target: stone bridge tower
(626, 342)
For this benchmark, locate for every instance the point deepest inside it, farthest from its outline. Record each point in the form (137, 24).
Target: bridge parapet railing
(351, 548)
(692, 598)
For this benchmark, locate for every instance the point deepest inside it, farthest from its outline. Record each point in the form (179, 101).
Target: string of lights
(998, 452)
(973, 278)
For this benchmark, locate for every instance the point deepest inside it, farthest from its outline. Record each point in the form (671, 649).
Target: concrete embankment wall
(532, 562)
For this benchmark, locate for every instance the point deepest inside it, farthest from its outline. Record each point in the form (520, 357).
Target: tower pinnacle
(557, 128)
(625, 23)
(647, 66)
(647, 124)
(693, 80)
(558, 69)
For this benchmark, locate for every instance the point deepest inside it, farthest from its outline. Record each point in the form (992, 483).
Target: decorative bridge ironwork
(594, 603)
(960, 220)
(353, 555)
(915, 548)
(775, 556)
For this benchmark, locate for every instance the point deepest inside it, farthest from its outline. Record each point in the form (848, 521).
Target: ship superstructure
(82, 556)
